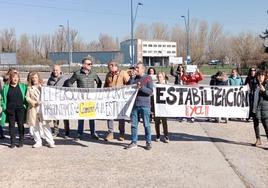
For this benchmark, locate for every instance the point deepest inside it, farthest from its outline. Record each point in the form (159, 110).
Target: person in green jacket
(13, 105)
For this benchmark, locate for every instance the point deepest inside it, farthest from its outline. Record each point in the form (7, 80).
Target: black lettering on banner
(239, 101)
(202, 95)
(235, 97)
(223, 101)
(218, 96)
(189, 99)
(196, 97)
(229, 103)
(159, 93)
(206, 100)
(181, 90)
(171, 100)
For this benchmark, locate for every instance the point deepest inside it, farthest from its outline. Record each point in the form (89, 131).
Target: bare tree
(247, 49)
(142, 32)
(215, 42)
(47, 45)
(159, 31)
(24, 50)
(8, 40)
(107, 43)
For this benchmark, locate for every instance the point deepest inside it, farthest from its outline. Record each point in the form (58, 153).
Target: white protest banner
(176, 60)
(191, 68)
(201, 101)
(87, 103)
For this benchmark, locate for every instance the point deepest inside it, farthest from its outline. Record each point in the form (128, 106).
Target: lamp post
(187, 28)
(70, 54)
(132, 28)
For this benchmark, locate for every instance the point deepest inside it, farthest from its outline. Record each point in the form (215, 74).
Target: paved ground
(200, 154)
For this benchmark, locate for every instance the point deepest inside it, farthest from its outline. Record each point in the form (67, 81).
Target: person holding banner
(161, 77)
(260, 106)
(192, 78)
(177, 74)
(141, 106)
(85, 78)
(34, 118)
(219, 79)
(13, 106)
(115, 78)
(57, 78)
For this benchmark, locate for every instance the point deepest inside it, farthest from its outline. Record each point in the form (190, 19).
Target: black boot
(2, 133)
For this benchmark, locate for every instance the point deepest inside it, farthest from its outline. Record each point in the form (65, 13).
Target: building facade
(151, 53)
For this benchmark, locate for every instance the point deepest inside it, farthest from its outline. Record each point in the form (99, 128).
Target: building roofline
(90, 52)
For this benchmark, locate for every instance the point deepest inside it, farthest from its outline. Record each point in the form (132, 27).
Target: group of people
(20, 101)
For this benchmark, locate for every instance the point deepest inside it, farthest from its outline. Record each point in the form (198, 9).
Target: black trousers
(158, 121)
(16, 115)
(66, 126)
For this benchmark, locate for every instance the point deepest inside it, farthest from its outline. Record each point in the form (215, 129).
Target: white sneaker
(51, 145)
(37, 145)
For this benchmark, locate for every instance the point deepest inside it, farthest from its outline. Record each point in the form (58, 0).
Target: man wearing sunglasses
(85, 78)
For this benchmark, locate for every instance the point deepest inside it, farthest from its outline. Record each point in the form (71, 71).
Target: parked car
(215, 62)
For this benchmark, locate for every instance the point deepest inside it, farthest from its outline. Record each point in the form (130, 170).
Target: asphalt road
(200, 154)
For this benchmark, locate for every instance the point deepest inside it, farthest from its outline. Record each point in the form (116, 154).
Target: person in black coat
(219, 79)
(260, 106)
(252, 83)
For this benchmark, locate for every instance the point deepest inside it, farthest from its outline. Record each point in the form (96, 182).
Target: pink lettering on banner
(191, 111)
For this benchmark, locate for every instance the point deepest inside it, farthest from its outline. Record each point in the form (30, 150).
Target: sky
(92, 17)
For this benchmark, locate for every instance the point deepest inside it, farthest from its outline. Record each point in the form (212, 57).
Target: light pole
(187, 28)
(132, 28)
(70, 54)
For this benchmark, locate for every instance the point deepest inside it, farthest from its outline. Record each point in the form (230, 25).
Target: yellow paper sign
(87, 109)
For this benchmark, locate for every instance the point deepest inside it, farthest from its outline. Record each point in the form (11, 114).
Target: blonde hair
(31, 74)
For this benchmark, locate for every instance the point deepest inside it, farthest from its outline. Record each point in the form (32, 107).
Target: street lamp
(132, 27)
(187, 28)
(70, 57)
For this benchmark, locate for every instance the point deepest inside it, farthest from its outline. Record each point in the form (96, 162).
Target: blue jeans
(81, 126)
(145, 114)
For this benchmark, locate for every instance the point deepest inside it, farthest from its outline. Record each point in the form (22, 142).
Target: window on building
(149, 51)
(169, 52)
(144, 51)
(160, 52)
(159, 45)
(164, 45)
(155, 52)
(155, 45)
(173, 46)
(145, 45)
(173, 52)
(150, 45)
(168, 46)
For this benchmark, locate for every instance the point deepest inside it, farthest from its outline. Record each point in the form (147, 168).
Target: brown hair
(6, 76)
(87, 58)
(13, 74)
(31, 74)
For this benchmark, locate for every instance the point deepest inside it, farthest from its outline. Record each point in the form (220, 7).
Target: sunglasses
(88, 64)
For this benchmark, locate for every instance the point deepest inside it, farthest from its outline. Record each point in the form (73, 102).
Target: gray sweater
(84, 80)
(60, 81)
(144, 94)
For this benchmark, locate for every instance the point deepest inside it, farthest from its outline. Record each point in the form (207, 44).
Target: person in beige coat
(34, 118)
(115, 78)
